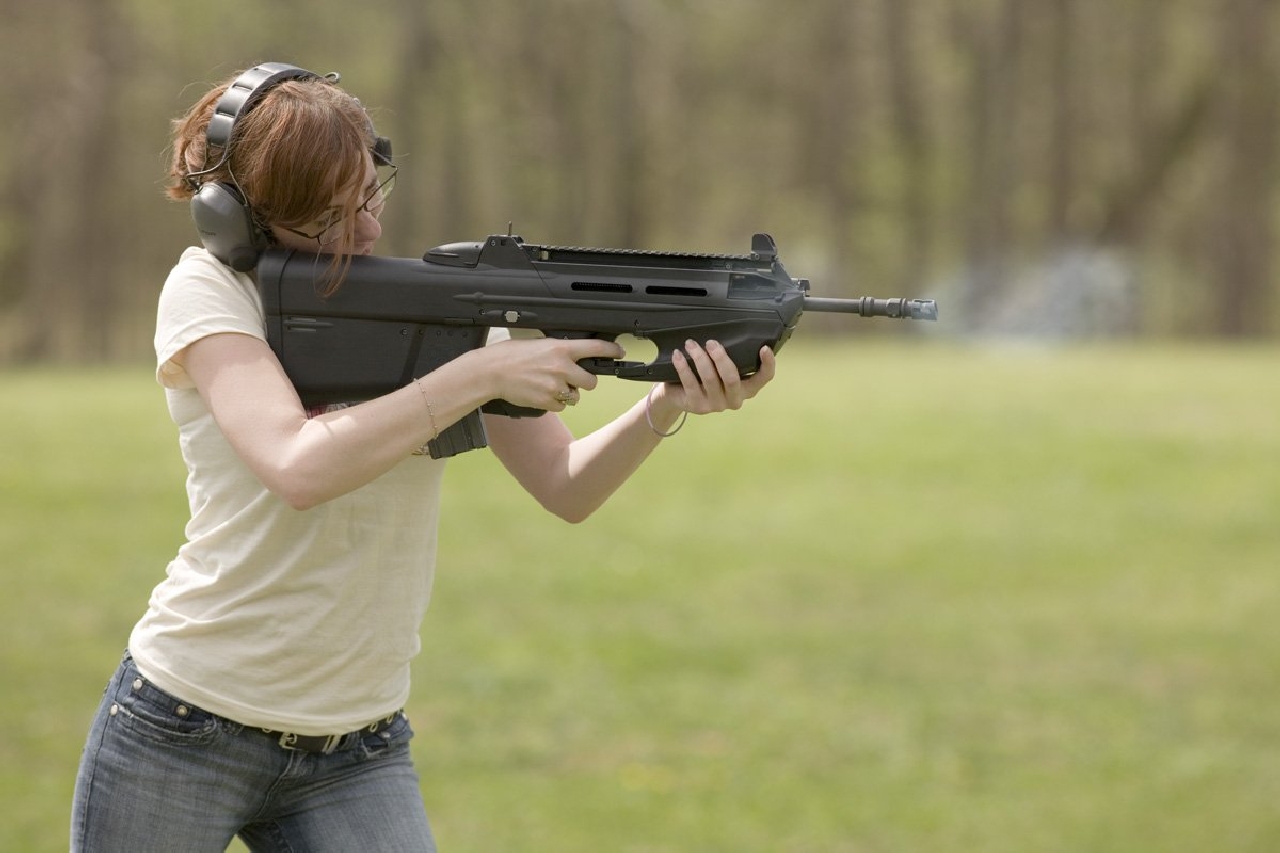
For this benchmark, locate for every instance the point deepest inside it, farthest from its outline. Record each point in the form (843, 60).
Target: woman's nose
(368, 228)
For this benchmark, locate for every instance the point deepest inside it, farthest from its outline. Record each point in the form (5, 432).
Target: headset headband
(246, 91)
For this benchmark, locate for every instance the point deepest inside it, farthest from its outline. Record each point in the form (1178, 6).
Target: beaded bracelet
(435, 431)
(648, 416)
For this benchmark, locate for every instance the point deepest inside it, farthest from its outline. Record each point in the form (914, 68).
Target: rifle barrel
(867, 306)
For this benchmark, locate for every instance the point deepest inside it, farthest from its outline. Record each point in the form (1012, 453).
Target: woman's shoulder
(201, 297)
(197, 260)
(200, 275)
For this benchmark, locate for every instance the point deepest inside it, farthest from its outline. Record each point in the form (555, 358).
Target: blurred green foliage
(960, 150)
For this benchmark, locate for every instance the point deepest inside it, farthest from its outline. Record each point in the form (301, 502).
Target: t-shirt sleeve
(201, 297)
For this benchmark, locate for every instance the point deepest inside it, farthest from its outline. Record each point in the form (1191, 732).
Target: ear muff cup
(226, 225)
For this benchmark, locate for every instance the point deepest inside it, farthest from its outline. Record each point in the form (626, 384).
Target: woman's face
(325, 234)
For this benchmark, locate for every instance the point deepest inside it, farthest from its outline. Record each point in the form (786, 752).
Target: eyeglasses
(372, 204)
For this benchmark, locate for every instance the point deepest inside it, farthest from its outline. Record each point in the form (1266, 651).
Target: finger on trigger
(584, 380)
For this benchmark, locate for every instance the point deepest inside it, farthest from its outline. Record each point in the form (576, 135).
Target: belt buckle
(326, 744)
(289, 740)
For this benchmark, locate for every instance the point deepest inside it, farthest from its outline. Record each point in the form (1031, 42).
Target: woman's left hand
(573, 477)
(709, 380)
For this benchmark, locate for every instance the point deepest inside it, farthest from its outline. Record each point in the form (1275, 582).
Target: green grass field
(914, 598)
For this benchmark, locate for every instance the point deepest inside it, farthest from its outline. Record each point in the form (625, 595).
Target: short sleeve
(202, 297)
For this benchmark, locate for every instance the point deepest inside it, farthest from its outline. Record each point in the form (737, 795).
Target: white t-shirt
(301, 621)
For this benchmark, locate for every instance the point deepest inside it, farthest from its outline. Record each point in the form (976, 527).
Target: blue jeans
(159, 774)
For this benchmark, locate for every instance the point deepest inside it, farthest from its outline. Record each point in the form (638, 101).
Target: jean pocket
(152, 713)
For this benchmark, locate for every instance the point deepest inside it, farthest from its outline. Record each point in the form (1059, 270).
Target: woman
(262, 688)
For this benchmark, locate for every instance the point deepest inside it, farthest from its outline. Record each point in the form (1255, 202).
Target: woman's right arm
(307, 461)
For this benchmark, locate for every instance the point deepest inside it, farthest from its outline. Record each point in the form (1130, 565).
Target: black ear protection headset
(221, 212)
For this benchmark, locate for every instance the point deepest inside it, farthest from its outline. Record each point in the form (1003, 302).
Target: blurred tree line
(963, 149)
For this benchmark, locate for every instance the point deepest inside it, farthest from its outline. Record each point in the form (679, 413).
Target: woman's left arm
(574, 477)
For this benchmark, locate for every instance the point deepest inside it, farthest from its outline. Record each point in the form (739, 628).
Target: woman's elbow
(576, 516)
(298, 497)
(296, 489)
(566, 509)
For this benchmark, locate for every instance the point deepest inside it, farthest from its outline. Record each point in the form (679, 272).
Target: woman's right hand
(543, 373)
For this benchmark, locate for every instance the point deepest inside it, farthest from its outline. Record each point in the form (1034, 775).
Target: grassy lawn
(914, 598)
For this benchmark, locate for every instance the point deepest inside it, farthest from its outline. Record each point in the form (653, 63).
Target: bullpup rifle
(396, 319)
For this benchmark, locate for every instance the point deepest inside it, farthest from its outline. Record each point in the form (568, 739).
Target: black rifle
(396, 319)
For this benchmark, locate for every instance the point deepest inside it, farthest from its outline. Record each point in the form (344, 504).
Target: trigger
(607, 366)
